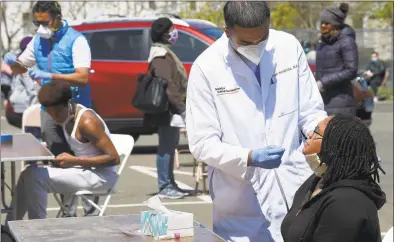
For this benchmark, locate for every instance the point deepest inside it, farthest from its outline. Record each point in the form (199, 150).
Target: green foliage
(376, 10)
(385, 12)
(207, 11)
(283, 16)
(291, 15)
(358, 11)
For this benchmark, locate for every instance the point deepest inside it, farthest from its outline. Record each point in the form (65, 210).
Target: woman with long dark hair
(340, 201)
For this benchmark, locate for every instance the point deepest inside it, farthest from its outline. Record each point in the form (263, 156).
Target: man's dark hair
(54, 94)
(374, 52)
(52, 7)
(246, 14)
(349, 151)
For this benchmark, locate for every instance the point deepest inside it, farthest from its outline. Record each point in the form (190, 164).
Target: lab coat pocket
(282, 114)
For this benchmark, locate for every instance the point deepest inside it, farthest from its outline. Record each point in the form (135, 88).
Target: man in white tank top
(92, 167)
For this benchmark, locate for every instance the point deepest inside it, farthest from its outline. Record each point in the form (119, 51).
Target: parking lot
(138, 182)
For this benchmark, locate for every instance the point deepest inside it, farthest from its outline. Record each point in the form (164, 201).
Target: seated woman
(92, 167)
(340, 202)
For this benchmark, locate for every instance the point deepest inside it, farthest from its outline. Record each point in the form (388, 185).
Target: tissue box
(6, 138)
(167, 225)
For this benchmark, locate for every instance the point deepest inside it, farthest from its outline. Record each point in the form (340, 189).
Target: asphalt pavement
(138, 181)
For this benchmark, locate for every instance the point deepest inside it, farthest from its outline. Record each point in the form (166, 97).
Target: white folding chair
(124, 145)
(31, 119)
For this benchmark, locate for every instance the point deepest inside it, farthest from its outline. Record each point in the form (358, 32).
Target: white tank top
(84, 149)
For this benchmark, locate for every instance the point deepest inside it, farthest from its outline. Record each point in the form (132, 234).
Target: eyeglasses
(43, 23)
(316, 131)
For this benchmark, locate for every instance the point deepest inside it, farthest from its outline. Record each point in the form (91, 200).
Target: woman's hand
(65, 160)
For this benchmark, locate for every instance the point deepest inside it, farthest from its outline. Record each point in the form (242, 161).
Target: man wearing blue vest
(61, 54)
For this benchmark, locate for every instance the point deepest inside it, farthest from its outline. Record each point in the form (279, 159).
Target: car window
(188, 47)
(214, 33)
(117, 45)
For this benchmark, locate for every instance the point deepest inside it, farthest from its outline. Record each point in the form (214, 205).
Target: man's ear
(225, 29)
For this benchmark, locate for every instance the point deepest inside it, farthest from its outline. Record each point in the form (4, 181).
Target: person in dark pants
(61, 54)
(165, 64)
(376, 70)
(340, 201)
(336, 61)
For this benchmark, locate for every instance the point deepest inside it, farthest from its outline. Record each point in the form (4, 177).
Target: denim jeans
(168, 142)
(53, 135)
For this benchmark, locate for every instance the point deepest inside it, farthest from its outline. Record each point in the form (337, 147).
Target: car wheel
(135, 137)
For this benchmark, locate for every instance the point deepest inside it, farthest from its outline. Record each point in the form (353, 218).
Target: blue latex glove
(9, 59)
(38, 74)
(267, 158)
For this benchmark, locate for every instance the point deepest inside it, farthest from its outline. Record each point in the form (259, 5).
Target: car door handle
(91, 71)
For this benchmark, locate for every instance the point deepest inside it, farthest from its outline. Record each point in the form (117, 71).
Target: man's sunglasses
(43, 23)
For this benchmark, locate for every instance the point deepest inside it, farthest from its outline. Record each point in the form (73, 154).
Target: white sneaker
(375, 100)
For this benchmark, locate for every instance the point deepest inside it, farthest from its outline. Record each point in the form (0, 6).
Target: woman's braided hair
(349, 151)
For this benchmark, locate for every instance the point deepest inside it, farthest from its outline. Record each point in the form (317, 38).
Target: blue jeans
(168, 142)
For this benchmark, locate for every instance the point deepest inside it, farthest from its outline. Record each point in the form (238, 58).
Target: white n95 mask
(45, 32)
(316, 165)
(253, 52)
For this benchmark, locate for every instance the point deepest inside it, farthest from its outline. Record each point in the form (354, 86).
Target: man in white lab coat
(250, 97)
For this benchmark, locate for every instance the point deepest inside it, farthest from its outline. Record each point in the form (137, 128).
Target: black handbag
(151, 95)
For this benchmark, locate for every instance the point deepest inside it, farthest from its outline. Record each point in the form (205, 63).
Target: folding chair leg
(91, 203)
(204, 177)
(106, 202)
(194, 167)
(62, 207)
(196, 188)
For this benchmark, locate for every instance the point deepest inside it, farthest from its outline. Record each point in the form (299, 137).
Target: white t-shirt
(80, 51)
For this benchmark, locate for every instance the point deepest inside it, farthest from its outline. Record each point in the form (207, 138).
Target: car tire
(135, 137)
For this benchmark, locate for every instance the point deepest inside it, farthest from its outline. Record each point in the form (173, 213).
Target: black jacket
(346, 211)
(336, 67)
(378, 68)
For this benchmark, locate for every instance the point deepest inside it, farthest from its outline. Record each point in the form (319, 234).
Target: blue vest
(55, 56)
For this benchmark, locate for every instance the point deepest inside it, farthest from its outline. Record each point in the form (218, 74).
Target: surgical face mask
(316, 165)
(252, 52)
(45, 32)
(374, 59)
(173, 36)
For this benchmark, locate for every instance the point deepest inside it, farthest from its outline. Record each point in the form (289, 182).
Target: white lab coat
(228, 114)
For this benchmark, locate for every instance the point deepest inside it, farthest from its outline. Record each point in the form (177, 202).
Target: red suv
(120, 50)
